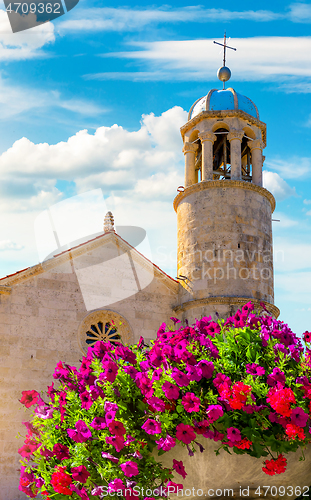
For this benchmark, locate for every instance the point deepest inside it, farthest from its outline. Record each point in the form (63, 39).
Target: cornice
(5, 290)
(191, 304)
(200, 186)
(236, 113)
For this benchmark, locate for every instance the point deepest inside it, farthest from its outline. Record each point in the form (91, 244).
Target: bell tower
(224, 215)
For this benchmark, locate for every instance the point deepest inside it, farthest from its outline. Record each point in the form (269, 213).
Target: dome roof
(218, 100)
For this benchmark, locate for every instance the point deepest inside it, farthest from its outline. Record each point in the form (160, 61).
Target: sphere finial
(224, 73)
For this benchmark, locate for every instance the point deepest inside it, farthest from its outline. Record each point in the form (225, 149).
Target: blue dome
(219, 100)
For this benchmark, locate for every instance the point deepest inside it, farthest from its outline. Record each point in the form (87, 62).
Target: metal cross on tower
(225, 46)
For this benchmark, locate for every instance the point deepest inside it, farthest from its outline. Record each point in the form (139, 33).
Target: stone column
(207, 140)
(189, 151)
(256, 151)
(235, 138)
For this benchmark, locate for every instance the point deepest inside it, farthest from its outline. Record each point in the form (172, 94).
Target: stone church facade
(53, 311)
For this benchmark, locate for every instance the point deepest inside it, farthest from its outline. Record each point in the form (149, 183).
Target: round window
(104, 325)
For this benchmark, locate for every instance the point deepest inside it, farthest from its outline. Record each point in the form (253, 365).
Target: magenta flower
(86, 400)
(98, 423)
(110, 406)
(28, 448)
(144, 384)
(156, 404)
(299, 417)
(180, 348)
(116, 441)
(214, 412)
(220, 379)
(61, 451)
(113, 459)
(167, 443)
(131, 371)
(207, 368)
(110, 371)
(130, 469)
(255, 370)
(81, 433)
(185, 433)
(170, 390)
(194, 373)
(152, 427)
(179, 468)
(30, 398)
(212, 328)
(156, 356)
(116, 485)
(233, 434)
(80, 474)
(117, 428)
(180, 378)
(191, 402)
(44, 412)
(276, 376)
(110, 416)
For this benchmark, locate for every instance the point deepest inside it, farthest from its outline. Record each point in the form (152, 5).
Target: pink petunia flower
(180, 378)
(116, 485)
(113, 459)
(170, 390)
(191, 402)
(116, 441)
(233, 434)
(117, 428)
(61, 451)
(185, 433)
(130, 469)
(156, 404)
(167, 443)
(207, 368)
(179, 468)
(80, 474)
(214, 412)
(299, 417)
(255, 369)
(152, 427)
(30, 398)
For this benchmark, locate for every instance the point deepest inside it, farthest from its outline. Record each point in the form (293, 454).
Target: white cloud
(307, 202)
(25, 44)
(257, 58)
(292, 168)
(300, 12)
(291, 255)
(9, 245)
(277, 186)
(309, 212)
(285, 221)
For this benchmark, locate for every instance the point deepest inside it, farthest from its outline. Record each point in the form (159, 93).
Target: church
(104, 289)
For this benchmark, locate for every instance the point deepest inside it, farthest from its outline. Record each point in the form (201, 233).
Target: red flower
(277, 466)
(293, 430)
(280, 400)
(61, 481)
(307, 336)
(30, 398)
(117, 428)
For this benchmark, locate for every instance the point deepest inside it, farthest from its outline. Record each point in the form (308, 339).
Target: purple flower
(276, 376)
(167, 443)
(110, 406)
(255, 370)
(179, 468)
(180, 378)
(207, 368)
(116, 441)
(156, 356)
(157, 374)
(44, 412)
(110, 416)
(152, 427)
(214, 412)
(180, 348)
(130, 469)
(299, 417)
(170, 390)
(110, 371)
(233, 434)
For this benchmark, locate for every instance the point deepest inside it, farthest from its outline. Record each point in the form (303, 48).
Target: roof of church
(219, 100)
(52, 262)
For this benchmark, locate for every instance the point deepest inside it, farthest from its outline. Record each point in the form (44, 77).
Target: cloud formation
(277, 186)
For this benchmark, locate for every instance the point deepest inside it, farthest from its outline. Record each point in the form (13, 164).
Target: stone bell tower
(224, 215)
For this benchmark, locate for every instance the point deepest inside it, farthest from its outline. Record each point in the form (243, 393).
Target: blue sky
(96, 98)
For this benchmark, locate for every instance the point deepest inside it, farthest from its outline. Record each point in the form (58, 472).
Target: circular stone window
(104, 325)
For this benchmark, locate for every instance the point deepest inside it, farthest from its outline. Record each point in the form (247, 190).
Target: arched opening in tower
(221, 156)
(246, 164)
